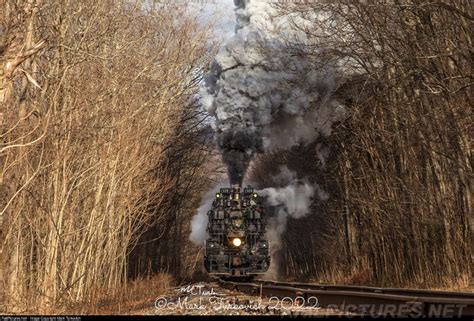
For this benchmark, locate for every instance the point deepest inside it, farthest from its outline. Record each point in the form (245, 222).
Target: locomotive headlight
(237, 242)
(218, 195)
(255, 195)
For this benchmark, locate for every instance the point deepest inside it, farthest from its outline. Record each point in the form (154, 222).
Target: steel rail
(356, 288)
(366, 300)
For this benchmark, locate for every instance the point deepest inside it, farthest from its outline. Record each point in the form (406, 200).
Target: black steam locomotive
(236, 245)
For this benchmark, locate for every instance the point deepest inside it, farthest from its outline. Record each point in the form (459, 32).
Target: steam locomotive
(236, 246)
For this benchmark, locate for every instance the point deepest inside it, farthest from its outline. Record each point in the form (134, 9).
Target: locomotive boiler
(236, 245)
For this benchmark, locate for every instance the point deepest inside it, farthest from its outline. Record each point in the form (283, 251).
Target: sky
(220, 11)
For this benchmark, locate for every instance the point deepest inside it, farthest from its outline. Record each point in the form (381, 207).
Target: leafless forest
(105, 155)
(400, 168)
(100, 142)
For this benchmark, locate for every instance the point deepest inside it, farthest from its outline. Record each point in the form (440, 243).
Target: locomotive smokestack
(236, 192)
(236, 186)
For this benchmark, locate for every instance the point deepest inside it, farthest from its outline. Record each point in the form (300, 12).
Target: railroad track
(364, 300)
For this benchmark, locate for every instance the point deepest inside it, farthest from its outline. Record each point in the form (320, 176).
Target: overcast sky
(221, 11)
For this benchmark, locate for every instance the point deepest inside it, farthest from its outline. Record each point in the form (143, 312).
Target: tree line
(399, 168)
(101, 141)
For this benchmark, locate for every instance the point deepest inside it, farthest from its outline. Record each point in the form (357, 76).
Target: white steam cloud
(200, 220)
(293, 200)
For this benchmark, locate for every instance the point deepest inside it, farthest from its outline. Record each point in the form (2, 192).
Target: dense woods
(105, 153)
(99, 140)
(398, 170)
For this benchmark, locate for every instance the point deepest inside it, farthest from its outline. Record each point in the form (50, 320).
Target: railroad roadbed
(361, 300)
(210, 298)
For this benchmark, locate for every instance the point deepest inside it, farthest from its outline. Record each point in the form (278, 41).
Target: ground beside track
(207, 298)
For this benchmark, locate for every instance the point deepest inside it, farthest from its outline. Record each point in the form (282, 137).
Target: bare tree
(401, 168)
(94, 94)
